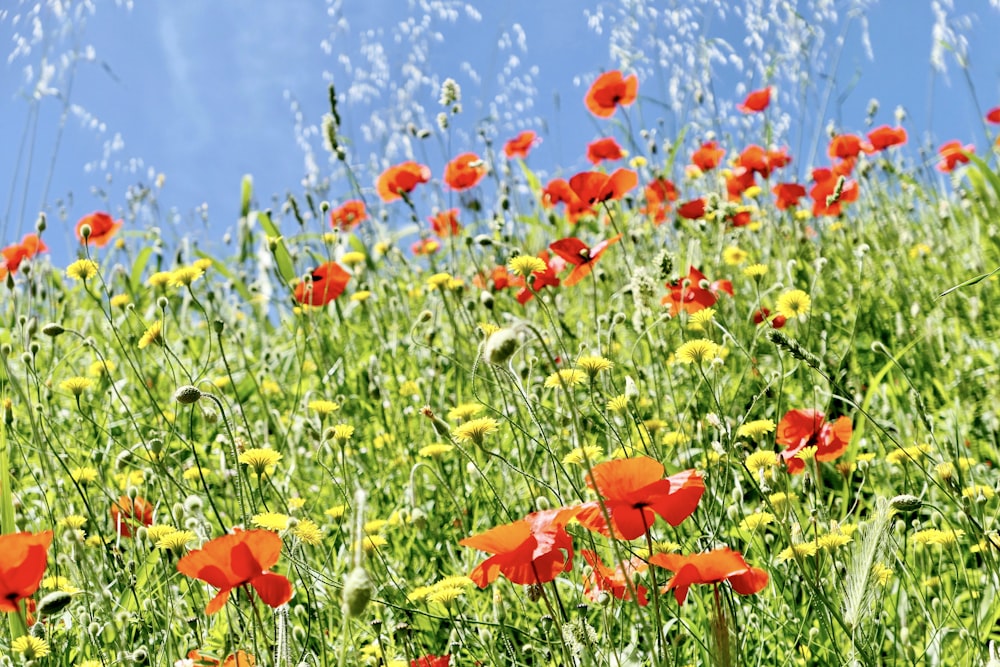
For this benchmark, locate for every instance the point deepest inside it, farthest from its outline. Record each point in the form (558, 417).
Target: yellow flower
(155, 532)
(800, 550)
(445, 594)
(674, 438)
(618, 403)
(352, 258)
(195, 473)
(434, 450)
(336, 511)
(152, 335)
(831, 541)
(260, 460)
(475, 430)
(580, 455)
(76, 385)
(698, 321)
(307, 531)
(780, 499)
(464, 411)
(160, 278)
(755, 271)
(374, 526)
(58, 582)
(73, 521)
(978, 491)
(296, 503)
(761, 459)
(920, 250)
(82, 269)
(343, 432)
(176, 540)
(120, 300)
(99, 368)
(794, 303)
(734, 256)
(882, 573)
(654, 424)
(755, 429)
(525, 265)
(438, 280)
(569, 377)
(455, 581)
(904, 454)
(361, 295)
(936, 536)
(270, 388)
(697, 351)
(204, 264)
(372, 542)
(184, 276)
(30, 647)
(323, 407)
(592, 365)
(409, 388)
(419, 593)
(83, 475)
(274, 521)
(488, 328)
(756, 520)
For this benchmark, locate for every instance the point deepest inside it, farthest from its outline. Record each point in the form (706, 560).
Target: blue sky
(204, 92)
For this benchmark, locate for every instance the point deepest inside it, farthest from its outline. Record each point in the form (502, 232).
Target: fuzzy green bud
(53, 603)
(187, 395)
(500, 346)
(357, 591)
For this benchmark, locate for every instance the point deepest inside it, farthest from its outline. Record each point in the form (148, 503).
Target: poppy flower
(738, 182)
(693, 209)
(548, 277)
(764, 315)
(127, 514)
(102, 228)
(350, 214)
(754, 159)
(993, 115)
(712, 567)
(431, 660)
(756, 101)
(499, 279)
(464, 172)
(659, 193)
(520, 145)
(609, 91)
(594, 187)
(530, 551)
(583, 258)
(953, 154)
(14, 254)
(694, 292)
(604, 149)
(788, 195)
(239, 559)
(25, 556)
(613, 580)
(883, 137)
(445, 223)
(825, 188)
(328, 282)
(708, 156)
(778, 158)
(847, 146)
(401, 178)
(635, 492)
(806, 428)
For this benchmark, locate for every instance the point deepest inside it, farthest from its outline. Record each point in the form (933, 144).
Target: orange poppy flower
(25, 556)
(128, 514)
(695, 292)
(609, 91)
(102, 228)
(788, 195)
(993, 115)
(635, 492)
(236, 560)
(708, 156)
(431, 660)
(594, 187)
(445, 223)
(659, 193)
(499, 279)
(825, 187)
(464, 172)
(576, 252)
(548, 277)
(350, 214)
(692, 210)
(401, 178)
(530, 551)
(805, 428)
(738, 182)
(883, 137)
(754, 159)
(848, 146)
(713, 567)
(520, 145)
(613, 580)
(756, 101)
(14, 254)
(240, 659)
(953, 154)
(604, 149)
(328, 282)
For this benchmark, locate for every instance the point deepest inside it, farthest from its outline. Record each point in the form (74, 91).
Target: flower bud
(500, 346)
(187, 395)
(357, 591)
(52, 329)
(905, 503)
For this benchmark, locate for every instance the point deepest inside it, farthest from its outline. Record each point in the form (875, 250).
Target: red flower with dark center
(128, 514)
(692, 210)
(806, 428)
(604, 149)
(350, 214)
(520, 145)
(788, 195)
(756, 101)
(445, 223)
(237, 560)
(848, 146)
(328, 282)
(694, 292)
(102, 228)
(613, 580)
(708, 156)
(583, 258)
(25, 556)
(464, 172)
(635, 492)
(609, 91)
(778, 158)
(953, 154)
(401, 179)
(710, 568)
(883, 137)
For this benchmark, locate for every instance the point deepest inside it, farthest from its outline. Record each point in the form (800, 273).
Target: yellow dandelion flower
(76, 385)
(160, 279)
(371, 543)
(831, 541)
(434, 450)
(949, 537)
(204, 264)
(383, 439)
(780, 499)
(419, 593)
(296, 503)
(361, 295)
(30, 647)
(270, 388)
(409, 388)
(927, 536)
(155, 532)
(734, 256)
(352, 258)
(60, 583)
(343, 432)
(637, 162)
(274, 521)
(761, 459)
(323, 407)
(488, 328)
(399, 517)
(152, 336)
(475, 430)
(882, 573)
(756, 520)
(438, 280)
(196, 473)
(83, 475)
(674, 438)
(464, 411)
(653, 425)
(697, 351)
(132, 478)
(73, 521)
(755, 271)
(920, 250)
(82, 269)
(455, 581)
(261, 461)
(865, 457)
(176, 541)
(336, 511)
(700, 320)
(307, 531)
(665, 547)
(755, 429)
(566, 377)
(978, 492)
(794, 303)
(375, 525)
(120, 300)
(525, 265)
(445, 595)
(905, 454)
(455, 284)
(184, 276)
(618, 404)
(580, 455)
(100, 368)
(592, 365)
(803, 214)
(800, 550)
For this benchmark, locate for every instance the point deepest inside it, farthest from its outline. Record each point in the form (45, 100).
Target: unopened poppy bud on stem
(187, 395)
(52, 329)
(85, 232)
(500, 346)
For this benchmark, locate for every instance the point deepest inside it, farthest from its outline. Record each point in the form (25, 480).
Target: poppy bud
(187, 395)
(906, 503)
(85, 231)
(52, 329)
(357, 591)
(53, 603)
(41, 223)
(500, 346)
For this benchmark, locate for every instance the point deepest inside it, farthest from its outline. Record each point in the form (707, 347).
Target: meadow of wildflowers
(725, 395)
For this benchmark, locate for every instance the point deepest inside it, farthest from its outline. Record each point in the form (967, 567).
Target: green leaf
(281, 256)
(246, 194)
(970, 281)
(135, 278)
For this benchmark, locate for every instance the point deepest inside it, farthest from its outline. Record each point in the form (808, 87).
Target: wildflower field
(705, 401)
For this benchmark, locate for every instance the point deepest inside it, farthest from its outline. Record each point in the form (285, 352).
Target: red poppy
(547, 277)
(445, 223)
(102, 228)
(431, 660)
(754, 159)
(778, 158)
(756, 101)
(14, 254)
(710, 568)
(883, 137)
(240, 659)
(805, 428)
(604, 149)
(594, 187)
(328, 282)
(242, 558)
(425, 247)
(764, 315)
(520, 145)
(692, 210)
(738, 182)
(825, 187)
(350, 214)
(610, 91)
(788, 195)
(128, 514)
(576, 252)
(993, 115)
(953, 154)
(559, 192)
(708, 156)
(659, 193)
(530, 551)
(499, 278)
(25, 556)
(464, 172)
(634, 492)
(848, 146)
(613, 580)
(694, 292)
(401, 178)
